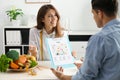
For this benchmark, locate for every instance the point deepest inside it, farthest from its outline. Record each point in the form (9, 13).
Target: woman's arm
(32, 45)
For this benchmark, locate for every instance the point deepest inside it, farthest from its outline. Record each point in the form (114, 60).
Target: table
(42, 74)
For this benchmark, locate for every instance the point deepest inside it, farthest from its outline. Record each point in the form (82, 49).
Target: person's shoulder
(99, 36)
(34, 29)
(65, 33)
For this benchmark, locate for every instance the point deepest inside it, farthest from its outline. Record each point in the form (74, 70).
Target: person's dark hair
(109, 7)
(41, 14)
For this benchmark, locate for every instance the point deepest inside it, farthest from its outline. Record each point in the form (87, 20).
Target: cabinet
(16, 39)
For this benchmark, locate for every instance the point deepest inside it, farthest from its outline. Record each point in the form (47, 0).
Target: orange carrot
(13, 65)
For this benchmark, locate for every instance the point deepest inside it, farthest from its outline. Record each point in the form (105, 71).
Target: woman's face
(50, 19)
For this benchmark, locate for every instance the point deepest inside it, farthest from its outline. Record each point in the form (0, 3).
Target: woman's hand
(33, 50)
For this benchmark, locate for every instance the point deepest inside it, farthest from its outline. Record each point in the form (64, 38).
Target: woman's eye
(49, 16)
(52, 16)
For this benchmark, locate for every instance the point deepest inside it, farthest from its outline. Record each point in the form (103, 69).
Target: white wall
(76, 12)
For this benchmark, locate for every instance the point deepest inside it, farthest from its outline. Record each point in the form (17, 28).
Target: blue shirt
(102, 59)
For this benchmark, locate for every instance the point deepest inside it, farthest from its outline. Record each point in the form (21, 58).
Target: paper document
(60, 52)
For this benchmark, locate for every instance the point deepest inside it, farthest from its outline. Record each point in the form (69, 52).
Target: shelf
(16, 45)
(78, 32)
(79, 37)
(14, 41)
(17, 27)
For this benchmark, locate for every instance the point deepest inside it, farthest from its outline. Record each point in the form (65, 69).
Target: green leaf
(14, 13)
(4, 63)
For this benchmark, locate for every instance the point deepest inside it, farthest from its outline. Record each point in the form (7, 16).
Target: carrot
(16, 62)
(13, 65)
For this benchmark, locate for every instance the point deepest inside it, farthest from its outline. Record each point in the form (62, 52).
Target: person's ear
(100, 13)
(43, 20)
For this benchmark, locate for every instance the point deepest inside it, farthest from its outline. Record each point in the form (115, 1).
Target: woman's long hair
(41, 14)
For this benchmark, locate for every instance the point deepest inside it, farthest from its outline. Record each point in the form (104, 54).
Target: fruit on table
(21, 65)
(32, 58)
(22, 59)
(23, 62)
(13, 54)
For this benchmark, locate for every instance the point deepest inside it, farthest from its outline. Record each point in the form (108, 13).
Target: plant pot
(15, 22)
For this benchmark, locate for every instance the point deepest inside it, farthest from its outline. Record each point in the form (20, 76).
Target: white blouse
(34, 39)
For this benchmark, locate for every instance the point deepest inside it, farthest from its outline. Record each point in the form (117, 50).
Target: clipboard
(60, 52)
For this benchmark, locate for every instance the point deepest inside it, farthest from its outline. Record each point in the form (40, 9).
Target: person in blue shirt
(102, 59)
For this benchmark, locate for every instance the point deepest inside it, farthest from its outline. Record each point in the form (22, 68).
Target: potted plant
(14, 14)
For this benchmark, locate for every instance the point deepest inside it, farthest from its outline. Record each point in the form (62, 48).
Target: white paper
(13, 37)
(60, 51)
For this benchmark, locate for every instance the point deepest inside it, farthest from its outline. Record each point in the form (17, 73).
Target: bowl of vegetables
(18, 62)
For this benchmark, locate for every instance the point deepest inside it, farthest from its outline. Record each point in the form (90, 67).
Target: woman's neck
(49, 30)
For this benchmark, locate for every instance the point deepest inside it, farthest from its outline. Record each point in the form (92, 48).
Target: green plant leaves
(13, 13)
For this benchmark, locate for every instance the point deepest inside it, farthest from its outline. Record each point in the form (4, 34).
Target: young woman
(48, 26)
